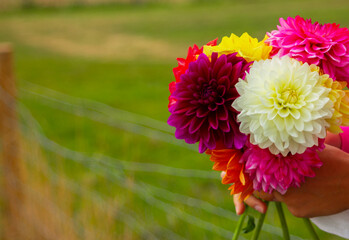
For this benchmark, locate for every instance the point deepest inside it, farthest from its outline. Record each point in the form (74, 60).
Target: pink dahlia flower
(204, 94)
(325, 45)
(274, 172)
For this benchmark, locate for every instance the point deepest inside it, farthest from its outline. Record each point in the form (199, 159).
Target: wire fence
(75, 203)
(108, 167)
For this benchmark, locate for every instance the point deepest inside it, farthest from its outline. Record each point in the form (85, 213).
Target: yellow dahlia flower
(247, 47)
(340, 99)
(344, 108)
(283, 105)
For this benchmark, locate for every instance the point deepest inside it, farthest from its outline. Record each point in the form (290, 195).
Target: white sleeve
(336, 224)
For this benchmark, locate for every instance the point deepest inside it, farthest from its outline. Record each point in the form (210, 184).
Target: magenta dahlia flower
(274, 172)
(203, 111)
(325, 45)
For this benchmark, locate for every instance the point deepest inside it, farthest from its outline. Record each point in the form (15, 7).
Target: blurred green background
(122, 55)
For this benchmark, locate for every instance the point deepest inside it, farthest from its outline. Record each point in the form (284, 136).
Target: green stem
(282, 221)
(259, 225)
(240, 223)
(311, 229)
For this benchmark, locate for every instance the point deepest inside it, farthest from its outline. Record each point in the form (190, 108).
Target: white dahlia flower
(283, 105)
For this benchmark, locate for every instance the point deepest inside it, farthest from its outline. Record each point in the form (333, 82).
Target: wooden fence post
(9, 152)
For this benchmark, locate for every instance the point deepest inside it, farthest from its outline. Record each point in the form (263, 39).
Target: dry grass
(12, 4)
(88, 39)
(46, 216)
(47, 210)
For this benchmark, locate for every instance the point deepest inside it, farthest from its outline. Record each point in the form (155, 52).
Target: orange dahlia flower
(228, 160)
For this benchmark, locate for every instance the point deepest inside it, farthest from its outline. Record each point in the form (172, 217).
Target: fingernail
(237, 212)
(258, 208)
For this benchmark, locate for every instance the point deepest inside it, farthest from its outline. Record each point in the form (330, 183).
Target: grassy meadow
(120, 58)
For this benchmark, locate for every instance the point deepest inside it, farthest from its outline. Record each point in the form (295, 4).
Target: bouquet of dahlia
(261, 109)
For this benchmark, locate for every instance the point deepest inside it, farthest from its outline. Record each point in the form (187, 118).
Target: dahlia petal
(212, 107)
(195, 124)
(222, 113)
(220, 166)
(172, 120)
(193, 68)
(224, 126)
(289, 41)
(300, 139)
(203, 66)
(308, 127)
(219, 101)
(299, 125)
(334, 57)
(183, 95)
(221, 62)
(281, 190)
(339, 49)
(202, 112)
(180, 134)
(272, 115)
(191, 111)
(228, 140)
(181, 61)
(211, 143)
(295, 113)
(213, 120)
(242, 177)
(202, 147)
(183, 123)
(237, 70)
(191, 138)
(225, 70)
(257, 185)
(221, 90)
(265, 187)
(239, 140)
(224, 81)
(181, 107)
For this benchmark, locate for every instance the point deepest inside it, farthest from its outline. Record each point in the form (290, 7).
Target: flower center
(206, 91)
(289, 96)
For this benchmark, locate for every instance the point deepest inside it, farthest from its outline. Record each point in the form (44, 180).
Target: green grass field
(122, 56)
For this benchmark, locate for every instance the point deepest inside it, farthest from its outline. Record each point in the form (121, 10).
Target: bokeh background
(99, 161)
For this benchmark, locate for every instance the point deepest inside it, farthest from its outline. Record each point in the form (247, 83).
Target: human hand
(252, 201)
(327, 193)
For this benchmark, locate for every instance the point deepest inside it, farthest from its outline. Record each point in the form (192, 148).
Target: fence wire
(115, 169)
(102, 113)
(140, 189)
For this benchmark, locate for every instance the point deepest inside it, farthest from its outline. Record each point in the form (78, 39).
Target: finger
(222, 174)
(278, 197)
(256, 203)
(263, 195)
(239, 205)
(333, 140)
